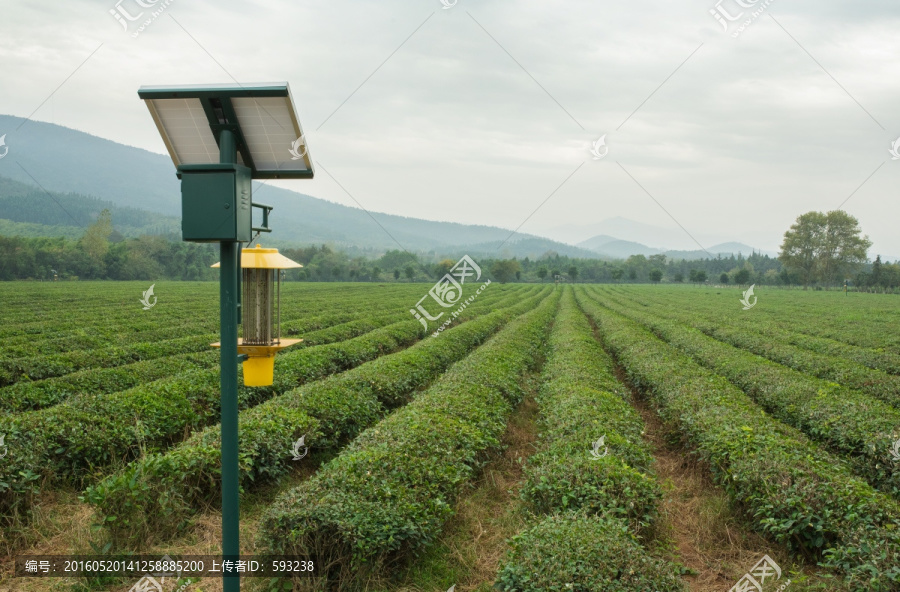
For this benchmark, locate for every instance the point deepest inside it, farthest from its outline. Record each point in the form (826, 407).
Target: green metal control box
(215, 203)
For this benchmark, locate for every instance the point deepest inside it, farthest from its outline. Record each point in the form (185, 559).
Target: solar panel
(262, 116)
(185, 130)
(270, 133)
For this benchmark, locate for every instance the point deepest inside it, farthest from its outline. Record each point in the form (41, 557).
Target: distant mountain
(29, 211)
(610, 247)
(622, 249)
(68, 161)
(84, 167)
(724, 249)
(658, 237)
(597, 242)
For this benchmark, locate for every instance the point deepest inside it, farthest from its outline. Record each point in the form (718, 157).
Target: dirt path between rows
(696, 522)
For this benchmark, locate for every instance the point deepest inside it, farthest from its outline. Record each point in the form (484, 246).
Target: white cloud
(745, 136)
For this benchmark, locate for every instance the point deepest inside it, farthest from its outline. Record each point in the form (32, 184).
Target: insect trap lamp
(220, 138)
(261, 313)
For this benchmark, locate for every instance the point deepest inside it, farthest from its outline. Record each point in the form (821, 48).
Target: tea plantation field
(540, 442)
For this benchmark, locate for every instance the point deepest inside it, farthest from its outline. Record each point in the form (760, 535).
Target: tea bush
(390, 491)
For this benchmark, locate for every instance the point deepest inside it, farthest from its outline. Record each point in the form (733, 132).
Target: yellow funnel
(259, 367)
(259, 371)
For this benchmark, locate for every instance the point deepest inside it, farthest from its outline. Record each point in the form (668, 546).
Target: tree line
(819, 249)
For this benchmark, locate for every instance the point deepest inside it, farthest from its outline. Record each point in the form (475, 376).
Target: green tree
(410, 272)
(678, 277)
(505, 269)
(443, 267)
(617, 273)
(742, 277)
(573, 273)
(657, 261)
(542, 273)
(785, 277)
(395, 259)
(877, 272)
(142, 258)
(656, 275)
(95, 241)
(844, 247)
(824, 246)
(697, 276)
(396, 274)
(636, 266)
(723, 278)
(800, 245)
(376, 272)
(890, 277)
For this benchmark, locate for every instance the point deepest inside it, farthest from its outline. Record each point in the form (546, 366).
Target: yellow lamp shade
(259, 258)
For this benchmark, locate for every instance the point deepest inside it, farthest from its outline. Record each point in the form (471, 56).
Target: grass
(699, 528)
(63, 526)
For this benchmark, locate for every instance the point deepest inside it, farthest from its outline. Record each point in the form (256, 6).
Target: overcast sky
(481, 112)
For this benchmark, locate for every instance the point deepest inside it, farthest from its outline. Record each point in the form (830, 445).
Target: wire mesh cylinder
(258, 305)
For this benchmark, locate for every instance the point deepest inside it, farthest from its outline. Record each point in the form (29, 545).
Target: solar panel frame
(262, 115)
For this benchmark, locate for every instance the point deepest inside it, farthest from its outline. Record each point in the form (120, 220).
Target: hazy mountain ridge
(85, 174)
(30, 211)
(609, 246)
(65, 161)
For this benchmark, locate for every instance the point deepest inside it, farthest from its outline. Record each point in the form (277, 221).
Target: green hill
(29, 211)
(138, 184)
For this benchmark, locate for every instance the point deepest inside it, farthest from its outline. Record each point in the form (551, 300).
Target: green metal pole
(228, 302)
